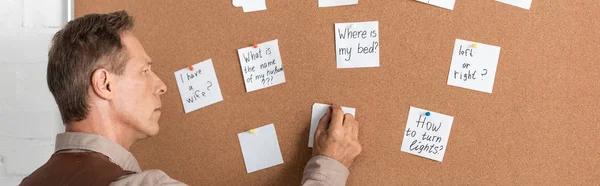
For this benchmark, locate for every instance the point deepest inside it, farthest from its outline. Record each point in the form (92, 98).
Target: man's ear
(102, 83)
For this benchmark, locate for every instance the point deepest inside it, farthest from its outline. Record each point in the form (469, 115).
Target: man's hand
(337, 136)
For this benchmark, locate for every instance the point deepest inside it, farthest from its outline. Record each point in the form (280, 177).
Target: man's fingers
(323, 123)
(348, 122)
(355, 129)
(337, 118)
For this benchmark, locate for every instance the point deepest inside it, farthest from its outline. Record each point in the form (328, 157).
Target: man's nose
(162, 87)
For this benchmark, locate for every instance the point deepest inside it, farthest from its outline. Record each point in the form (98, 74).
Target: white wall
(29, 117)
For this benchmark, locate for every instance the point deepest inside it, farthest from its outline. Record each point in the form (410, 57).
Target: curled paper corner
(250, 5)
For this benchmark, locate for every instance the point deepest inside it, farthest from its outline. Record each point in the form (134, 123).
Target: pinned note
(318, 111)
(526, 4)
(250, 5)
(261, 66)
(198, 86)
(473, 65)
(357, 44)
(330, 3)
(426, 136)
(447, 4)
(261, 149)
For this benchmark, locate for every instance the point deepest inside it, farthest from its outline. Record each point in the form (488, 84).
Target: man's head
(98, 68)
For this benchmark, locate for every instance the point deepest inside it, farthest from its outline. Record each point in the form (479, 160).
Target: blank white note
(447, 4)
(330, 3)
(526, 4)
(261, 149)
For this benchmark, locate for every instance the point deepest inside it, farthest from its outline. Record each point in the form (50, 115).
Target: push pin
(255, 45)
(191, 67)
(252, 131)
(427, 113)
(474, 45)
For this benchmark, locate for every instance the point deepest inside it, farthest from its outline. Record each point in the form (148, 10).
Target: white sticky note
(357, 44)
(447, 4)
(261, 149)
(261, 66)
(426, 136)
(473, 65)
(250, 5)
(330, 3)
(198, 87)
(318, 111)
(526, 4)
(70, 10)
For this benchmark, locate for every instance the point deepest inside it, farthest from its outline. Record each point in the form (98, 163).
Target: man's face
(137, 91)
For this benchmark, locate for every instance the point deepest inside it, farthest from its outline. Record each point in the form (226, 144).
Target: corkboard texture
(538, 127)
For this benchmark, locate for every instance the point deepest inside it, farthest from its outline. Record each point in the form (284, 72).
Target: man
(109, 98)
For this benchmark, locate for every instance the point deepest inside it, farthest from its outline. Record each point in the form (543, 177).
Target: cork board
(538, 127)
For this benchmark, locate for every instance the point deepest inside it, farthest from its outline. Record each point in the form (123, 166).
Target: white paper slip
(357, 44)
(526, 4)
(261, 66)
(261, 149)
(473, 65)
(426, 133)
(198, 86)
(447, 4)
(250, 5)
(318, 111)
(330, 3)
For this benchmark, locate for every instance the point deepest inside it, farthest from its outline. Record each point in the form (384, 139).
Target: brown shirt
(320, 170)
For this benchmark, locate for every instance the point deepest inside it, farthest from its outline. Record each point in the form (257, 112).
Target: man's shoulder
(75, 168)
(148, 177)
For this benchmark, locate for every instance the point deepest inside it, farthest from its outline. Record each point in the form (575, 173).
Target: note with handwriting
(473, 65)
(318, 111)
(330, 3)
(426, 134)
(447, 4)
(357, 44)
(198, 86)
(250, 5)
(260, 148)
(261, 66)
(525, 4)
